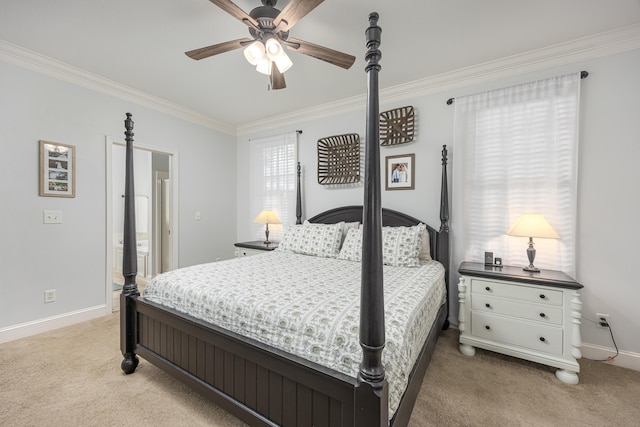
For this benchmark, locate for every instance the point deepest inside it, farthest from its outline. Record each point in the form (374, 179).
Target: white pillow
(400, 245)
(313, 239)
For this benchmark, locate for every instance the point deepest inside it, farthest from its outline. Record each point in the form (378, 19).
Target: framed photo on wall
(400, 172)
(57, 169)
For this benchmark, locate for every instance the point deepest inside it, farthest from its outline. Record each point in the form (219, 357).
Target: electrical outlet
(50, 295)
(602, 320)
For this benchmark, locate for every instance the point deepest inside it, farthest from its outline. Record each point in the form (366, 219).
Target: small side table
(253, 248)
(533, 316)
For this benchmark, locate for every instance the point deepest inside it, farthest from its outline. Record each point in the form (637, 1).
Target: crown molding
(595, 46)
(42, 64)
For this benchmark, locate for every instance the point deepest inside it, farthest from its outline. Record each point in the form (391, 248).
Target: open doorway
(156, 194)
(162, 222)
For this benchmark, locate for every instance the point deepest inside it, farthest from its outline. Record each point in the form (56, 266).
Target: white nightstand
(533, 316)
(253, 248)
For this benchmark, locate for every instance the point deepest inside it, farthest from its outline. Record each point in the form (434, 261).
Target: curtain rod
(583, 75)
(298, 131)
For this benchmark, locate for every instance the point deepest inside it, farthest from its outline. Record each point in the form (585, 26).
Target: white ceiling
(140, 44)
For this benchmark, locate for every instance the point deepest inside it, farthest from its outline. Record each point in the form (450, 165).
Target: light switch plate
(53, 217)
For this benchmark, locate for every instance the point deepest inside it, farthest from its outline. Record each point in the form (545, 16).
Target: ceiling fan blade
(232, 9)
(324, 53)
(205, 52)
(277, 78)
(294, 11)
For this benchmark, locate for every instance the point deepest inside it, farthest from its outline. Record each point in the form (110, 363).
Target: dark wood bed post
(129, 260)
(443, 234)
(372, 402)
(298, 197)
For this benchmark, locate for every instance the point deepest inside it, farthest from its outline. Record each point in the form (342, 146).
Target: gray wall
(70, 257)
(607, 194)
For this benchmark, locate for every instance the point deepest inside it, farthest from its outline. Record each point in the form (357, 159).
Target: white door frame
(173, 174)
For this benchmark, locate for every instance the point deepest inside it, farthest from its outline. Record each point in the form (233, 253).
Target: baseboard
(50, 323)
(625, 359)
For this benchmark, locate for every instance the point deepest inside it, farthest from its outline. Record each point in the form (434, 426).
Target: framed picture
(57, 169)
(400, 172)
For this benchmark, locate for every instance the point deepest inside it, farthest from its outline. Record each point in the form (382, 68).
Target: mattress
(309, 306)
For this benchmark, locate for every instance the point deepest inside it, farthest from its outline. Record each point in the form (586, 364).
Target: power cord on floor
(605, 324)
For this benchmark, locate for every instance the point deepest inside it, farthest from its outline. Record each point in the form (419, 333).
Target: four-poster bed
(258, 378)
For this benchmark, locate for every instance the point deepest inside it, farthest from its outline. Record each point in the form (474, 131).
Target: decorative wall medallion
(339, 159)
(397, 126)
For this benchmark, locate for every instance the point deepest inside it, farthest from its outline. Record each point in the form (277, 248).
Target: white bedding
(309, 306)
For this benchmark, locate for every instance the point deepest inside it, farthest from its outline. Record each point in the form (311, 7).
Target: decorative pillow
(345, 228)
(352, 246)
(349, 226)
(400, 245)
(425, 247)
(313, 239)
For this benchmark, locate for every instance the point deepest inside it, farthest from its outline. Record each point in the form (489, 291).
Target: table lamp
(266, 217)
(532, 225)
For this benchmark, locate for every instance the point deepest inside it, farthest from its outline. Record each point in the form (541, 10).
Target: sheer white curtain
(516, 152)
(273, 181)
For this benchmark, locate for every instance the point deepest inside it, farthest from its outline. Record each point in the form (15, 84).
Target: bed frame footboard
(259, 384)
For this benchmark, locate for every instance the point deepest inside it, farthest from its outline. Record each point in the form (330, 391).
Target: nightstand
(533, 316)
(253, 248)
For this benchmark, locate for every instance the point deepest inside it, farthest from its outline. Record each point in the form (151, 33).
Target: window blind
(273, 181)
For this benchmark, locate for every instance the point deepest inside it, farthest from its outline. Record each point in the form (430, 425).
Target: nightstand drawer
(547, 339)
(513, 291)
(524, 310)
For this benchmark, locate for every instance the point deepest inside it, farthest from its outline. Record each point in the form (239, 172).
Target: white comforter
(309, 306)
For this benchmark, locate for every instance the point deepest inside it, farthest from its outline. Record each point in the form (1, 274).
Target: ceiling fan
(269, 28)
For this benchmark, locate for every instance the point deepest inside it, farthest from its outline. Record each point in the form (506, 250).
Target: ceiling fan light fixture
(283, 62)
(264, 66)
(273, 48)
(255, 52)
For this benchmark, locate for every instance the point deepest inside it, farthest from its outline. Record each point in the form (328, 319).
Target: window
(273, 181)
(516, 152)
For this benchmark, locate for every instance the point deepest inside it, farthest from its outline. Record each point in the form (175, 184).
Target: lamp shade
(266, 217)
(254, 52)
(283, 62)
(273, 48)
(264, 66)
(532, 225)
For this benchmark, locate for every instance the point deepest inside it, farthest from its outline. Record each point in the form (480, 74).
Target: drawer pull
(488, 289)
(542, 296)
(542, 339)
(543, 315)
(487, 305)
(487, 327)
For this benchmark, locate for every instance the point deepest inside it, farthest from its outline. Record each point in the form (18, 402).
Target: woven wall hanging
(339, 159)
(397, 126)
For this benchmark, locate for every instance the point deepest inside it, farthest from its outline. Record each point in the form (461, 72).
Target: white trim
(625, 359)
(594, 46)
(33, 61)
(39, 326)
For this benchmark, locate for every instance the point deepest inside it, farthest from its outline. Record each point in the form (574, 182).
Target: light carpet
(72, 377)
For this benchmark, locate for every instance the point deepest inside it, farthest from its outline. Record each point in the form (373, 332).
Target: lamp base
(267, 242)
(531, 254)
